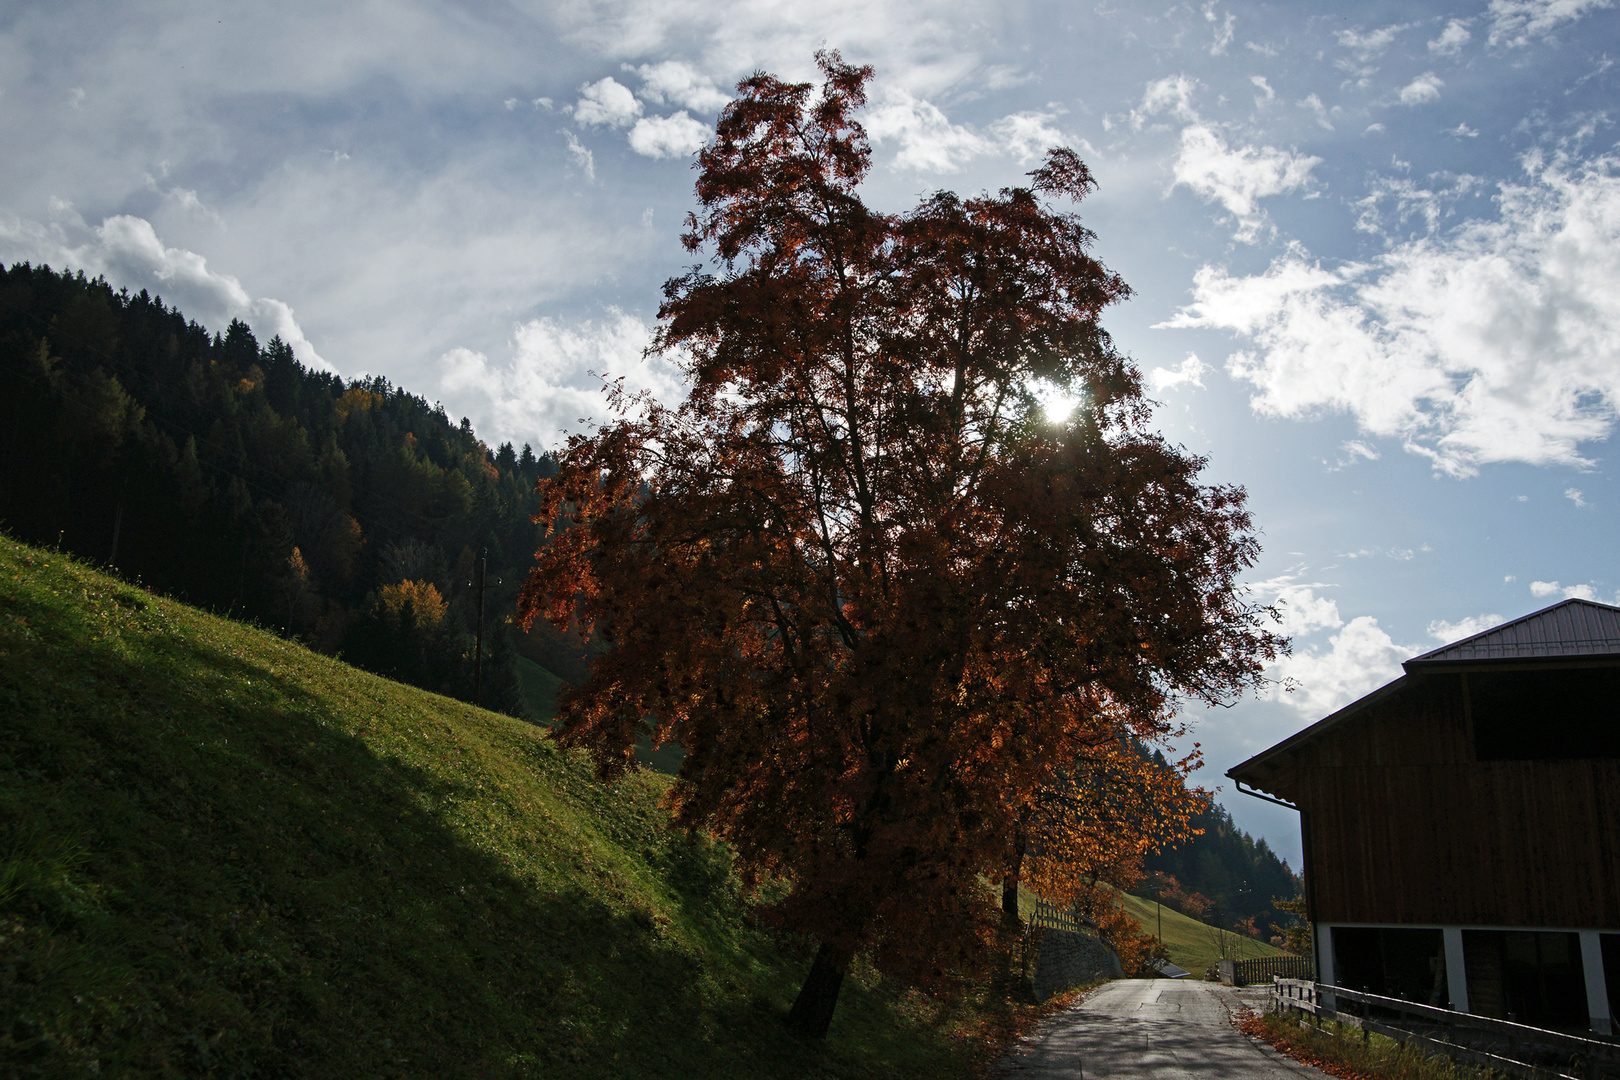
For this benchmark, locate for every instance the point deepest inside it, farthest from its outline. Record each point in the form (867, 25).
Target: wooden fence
(1262, 969)
(1515, 1049)
(1057, 919)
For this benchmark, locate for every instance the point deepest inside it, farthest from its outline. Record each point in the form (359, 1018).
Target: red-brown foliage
(871, 592)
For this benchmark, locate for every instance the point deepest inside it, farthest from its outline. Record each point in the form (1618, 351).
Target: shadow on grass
(209, 873)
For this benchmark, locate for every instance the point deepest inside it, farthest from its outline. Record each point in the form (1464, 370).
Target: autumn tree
(857, 574)
(1089, 828)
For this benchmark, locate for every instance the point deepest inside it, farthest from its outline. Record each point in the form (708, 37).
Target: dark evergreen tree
(1242, 876)
(215, 465)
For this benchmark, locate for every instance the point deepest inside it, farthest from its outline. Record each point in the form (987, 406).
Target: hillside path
(1161, 1028)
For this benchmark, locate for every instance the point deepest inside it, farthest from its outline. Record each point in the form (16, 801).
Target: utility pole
(478, 637)
(118, 525)
(478, 648)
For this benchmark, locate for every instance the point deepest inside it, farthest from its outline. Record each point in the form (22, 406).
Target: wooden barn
(1461, 825)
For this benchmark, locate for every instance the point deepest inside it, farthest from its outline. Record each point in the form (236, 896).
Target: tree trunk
(1009, 887)
(812, 1010)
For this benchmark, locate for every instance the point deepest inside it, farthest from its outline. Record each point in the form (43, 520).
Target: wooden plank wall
(1406, 827)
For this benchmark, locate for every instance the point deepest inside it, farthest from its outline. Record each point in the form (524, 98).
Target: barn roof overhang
(1274, 771)
(1572, 633)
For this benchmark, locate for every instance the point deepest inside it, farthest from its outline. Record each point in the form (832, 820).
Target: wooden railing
(1262, 969)
(1057, 919)
(1516, 1049)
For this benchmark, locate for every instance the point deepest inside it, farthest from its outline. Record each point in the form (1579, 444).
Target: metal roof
(1572, 628)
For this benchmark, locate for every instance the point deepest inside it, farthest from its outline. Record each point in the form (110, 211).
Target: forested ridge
(348, 514)
(1225, 877)
(222, 471)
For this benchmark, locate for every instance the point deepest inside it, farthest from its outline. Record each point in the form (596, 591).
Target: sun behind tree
(856, 575)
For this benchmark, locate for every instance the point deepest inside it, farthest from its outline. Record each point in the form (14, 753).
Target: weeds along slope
(222, 854)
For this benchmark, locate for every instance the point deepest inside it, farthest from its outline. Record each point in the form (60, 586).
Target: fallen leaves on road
(1297, 1045)
(1020, 1022)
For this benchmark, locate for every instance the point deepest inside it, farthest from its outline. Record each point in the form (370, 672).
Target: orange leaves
(856, 576)
(1097, 820)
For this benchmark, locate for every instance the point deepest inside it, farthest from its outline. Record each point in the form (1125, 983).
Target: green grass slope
(1193, 944)
(224, 855)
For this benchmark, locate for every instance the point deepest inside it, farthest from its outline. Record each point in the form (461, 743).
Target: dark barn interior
(1392, 962)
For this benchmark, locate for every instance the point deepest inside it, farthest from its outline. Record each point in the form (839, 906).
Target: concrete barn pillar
(1597, 990)
(1324, 964)
(1456, 973)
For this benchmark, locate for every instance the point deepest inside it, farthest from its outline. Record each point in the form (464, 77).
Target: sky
(1374, 247)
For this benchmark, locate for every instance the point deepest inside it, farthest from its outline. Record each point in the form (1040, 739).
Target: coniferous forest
(1238, 877)
(220, 470)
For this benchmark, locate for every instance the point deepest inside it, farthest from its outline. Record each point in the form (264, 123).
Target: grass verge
(1193, 944)
(1340, 1050)
(223, 854)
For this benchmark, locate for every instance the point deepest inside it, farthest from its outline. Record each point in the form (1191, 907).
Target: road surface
(1160, 1028)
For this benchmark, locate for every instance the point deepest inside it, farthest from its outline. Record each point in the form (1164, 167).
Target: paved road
(1161, 1028)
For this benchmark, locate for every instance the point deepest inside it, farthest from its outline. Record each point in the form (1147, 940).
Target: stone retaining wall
(1064, 958)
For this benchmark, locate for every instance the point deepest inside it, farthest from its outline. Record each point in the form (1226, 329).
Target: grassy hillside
(1192, 944)
(222, 854)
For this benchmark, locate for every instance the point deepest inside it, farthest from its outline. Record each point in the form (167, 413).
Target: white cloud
(1407, 200)
(1005, 77)
(1223, 29)
(668, 136)
(1260, 82)
(1373, 42)
(1026, 135)
(1172, 94)
(1575, 496)
(921, 45)
(1497, 342)
(552, 382)
(930, 142)
(1238, 178)
(607, 102)
(1515, 22)
(1541, 589)
(1422, 90)
(1451, 39)
(680, 84)
(187, 200)
(1361, 450)
(1355, 450)
(1303, 612)
(1314, 103)
(1466, 627)
(1190, 372)
(126, 251)
(582, 155)
(1357, 660)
